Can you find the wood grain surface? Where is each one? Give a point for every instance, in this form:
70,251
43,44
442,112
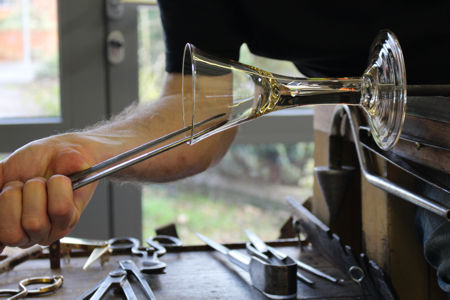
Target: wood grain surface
191,274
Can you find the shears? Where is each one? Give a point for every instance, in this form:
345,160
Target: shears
149,255
49,284
118,278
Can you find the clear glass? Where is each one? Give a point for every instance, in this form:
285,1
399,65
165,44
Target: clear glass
229,93
29,59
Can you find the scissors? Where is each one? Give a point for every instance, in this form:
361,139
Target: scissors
150,264
118,278
158,243
114,245
49,284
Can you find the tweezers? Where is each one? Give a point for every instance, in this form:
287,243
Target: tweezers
125,159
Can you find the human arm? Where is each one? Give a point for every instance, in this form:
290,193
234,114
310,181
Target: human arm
37,204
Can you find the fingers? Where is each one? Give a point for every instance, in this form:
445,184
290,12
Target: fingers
37,212
11,233
61,209
35,221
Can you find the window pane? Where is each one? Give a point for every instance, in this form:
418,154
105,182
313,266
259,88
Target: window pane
151,54
247,190
29,76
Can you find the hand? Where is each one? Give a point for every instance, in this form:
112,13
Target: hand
37,203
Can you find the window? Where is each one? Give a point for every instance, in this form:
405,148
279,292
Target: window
29,62
54,80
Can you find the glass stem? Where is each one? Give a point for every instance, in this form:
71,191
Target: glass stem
320,91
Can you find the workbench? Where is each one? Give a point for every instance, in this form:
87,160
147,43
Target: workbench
193,272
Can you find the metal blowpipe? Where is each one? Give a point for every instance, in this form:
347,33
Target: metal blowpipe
126,159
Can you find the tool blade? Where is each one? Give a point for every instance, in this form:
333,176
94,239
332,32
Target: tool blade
236,257
95,254
73,241
261,246
222,249
256,241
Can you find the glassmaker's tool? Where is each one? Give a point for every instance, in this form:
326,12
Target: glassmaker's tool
114,245
126,159
261,246
150,262
276,281
46,285
273,260
119,278
158,246
380,91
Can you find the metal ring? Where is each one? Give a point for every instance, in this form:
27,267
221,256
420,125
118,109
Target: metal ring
55,282
354,271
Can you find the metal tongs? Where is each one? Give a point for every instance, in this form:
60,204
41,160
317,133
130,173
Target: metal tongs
125,159
274,280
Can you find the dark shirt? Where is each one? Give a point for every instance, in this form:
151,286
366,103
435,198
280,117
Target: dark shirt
322,38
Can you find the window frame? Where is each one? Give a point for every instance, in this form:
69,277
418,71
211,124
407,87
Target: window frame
84,99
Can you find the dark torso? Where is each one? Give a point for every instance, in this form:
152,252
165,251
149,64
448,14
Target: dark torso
321,38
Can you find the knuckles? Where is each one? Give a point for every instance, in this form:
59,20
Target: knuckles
34,226
61,211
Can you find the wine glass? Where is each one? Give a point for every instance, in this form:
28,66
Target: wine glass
230,93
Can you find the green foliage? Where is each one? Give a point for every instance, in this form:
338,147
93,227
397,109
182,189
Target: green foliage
195,212
287,164
223,211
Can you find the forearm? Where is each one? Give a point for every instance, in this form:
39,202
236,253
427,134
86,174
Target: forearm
145,122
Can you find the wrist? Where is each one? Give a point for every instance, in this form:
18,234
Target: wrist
92,148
